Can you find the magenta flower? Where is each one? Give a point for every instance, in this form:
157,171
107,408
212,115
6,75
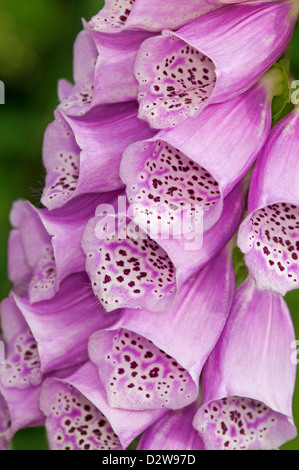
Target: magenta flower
4,425
269,236
117,16
21,375
124,319
58,324
179,73
248,380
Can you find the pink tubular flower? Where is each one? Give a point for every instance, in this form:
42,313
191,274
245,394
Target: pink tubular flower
76,99
124,320
59,323
180,73
145,367
21,375
45,246
269,236
174,431
115,65
130,270
193,165
136,271
101,62
78,416
248,381
79,158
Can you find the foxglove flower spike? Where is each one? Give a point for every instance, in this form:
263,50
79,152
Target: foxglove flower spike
198,163
269,236
180,73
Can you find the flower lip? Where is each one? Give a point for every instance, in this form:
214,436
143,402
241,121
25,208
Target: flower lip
61,156
22,368
128,268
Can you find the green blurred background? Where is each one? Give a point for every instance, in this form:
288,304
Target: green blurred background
36,40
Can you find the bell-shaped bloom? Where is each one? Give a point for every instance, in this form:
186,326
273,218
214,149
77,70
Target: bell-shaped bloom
4,425
62,325
20,375
78,156
210,60
223,2
101,62
248,381
120,15
149,360
42,340
194,250
114,78
269,236
174,431
78,416
128,268
61,158
45,246
199,162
